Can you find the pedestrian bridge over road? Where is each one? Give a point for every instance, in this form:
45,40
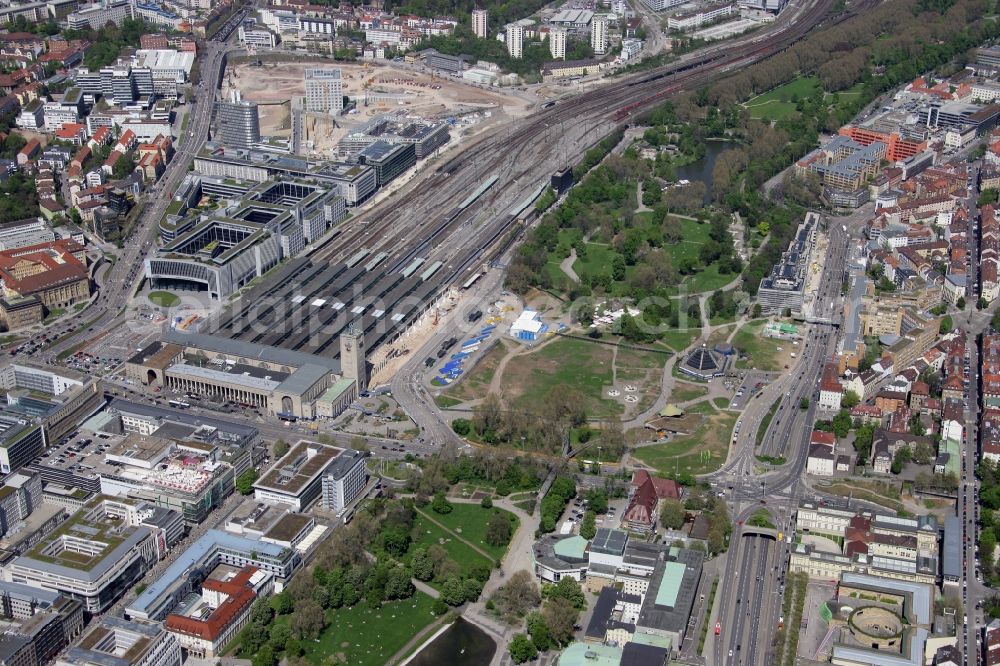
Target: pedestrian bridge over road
766,532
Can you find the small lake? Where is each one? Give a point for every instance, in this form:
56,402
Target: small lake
461,644
702,169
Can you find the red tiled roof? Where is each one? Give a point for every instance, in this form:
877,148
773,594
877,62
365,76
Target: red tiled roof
113,158
953,382
61,266
30,148
70,130
216,623
665,488
820,437
643,505
856,547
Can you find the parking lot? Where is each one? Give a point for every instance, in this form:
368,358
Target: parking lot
39,339
578,507
92,364
753,383
72,452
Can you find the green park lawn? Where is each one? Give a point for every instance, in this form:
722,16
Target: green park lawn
445,401
762,352
679,339
163,299
853,91
427,534
683,392
776,104
469,522
367,637
584,365
709,279
701,452
600,256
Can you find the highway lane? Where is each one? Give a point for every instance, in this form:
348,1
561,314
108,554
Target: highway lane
752,629
790,388
753,574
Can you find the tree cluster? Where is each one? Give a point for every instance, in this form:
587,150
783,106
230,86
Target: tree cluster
107,42
494,422
989,521
18,198
840,425
701,499
245,481
506,473
306,602
562,491
645,259
518,595
552,627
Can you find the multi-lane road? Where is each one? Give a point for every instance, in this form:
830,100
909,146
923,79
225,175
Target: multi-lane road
748,615
756,564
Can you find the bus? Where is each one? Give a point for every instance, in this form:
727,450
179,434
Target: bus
287,416
179,404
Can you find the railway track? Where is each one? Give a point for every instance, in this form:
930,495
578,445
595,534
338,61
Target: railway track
432,225
616,101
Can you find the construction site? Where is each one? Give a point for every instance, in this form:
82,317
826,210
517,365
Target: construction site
373,89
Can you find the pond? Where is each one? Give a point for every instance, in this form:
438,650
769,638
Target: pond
461,644
701,170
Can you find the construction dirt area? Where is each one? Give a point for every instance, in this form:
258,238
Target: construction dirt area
376,89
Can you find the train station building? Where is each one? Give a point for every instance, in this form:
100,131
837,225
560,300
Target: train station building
280,381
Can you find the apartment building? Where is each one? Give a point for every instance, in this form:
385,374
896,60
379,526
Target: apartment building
557,43
822,565
844,164
831,391
480,23
98,15
514,33
784,287
297,480
209,624
696,18
216,547
355,182
599,34
897,148
879,319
